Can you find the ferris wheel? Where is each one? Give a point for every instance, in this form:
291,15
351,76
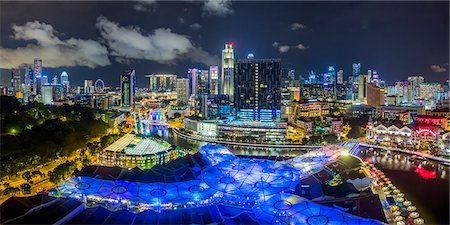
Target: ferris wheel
99,86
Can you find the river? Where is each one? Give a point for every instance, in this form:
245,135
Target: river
425,183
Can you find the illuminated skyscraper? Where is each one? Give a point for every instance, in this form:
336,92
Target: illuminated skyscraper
182,91
340,77
257,95
16,79
193,76
65,82
214,80
162,82
203,82
37,73
128,87
199,81
226,82
404,95
88,86
375,94
362,88
47,94
356,69
414,82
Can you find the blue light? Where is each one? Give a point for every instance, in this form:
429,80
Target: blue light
262,186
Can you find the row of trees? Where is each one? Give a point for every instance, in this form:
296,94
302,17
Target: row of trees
61,172
43,133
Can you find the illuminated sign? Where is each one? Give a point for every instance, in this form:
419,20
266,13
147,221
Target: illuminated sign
421,131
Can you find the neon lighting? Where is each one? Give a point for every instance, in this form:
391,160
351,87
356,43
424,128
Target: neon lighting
425,174
426,131
264,187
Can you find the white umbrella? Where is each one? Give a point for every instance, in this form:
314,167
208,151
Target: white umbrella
398,218
400,195
399,199
407,203
411,208
397,213
414,214
400,223
396,191
419,221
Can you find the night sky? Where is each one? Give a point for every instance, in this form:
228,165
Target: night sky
93,40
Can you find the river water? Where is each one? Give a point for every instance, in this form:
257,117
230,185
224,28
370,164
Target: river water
425,183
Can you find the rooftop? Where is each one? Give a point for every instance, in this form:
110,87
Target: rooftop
146,146
133,145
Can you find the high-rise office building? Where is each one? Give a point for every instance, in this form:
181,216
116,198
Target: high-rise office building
226,82
362,88
403,92
330,76
128,87
340,77
391,90
88,87
55,80
356,69
162,82
16,79
193,79
203,82
257,93
428,90
65,83
414,82
183,91
44,80
214,80
199,81
47,94
37,73
375,95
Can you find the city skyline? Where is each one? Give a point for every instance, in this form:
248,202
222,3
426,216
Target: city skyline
415,45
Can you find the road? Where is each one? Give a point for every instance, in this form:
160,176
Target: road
211,140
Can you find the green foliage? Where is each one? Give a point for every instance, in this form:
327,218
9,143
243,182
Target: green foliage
357,126
26,188
9,191
61,172
320,139
45,133
27,176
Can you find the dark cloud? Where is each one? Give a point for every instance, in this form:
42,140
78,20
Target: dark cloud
44,43
439,68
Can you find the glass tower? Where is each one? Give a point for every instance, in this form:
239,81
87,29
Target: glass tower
227,76
257,95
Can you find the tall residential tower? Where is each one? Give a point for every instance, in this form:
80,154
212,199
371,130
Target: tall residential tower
128,87
227,76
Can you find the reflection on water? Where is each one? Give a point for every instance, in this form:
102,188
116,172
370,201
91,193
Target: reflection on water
396,161
167,134
424,182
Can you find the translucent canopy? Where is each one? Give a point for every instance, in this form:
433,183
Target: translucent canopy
80,186
292,209
262,186
158,193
